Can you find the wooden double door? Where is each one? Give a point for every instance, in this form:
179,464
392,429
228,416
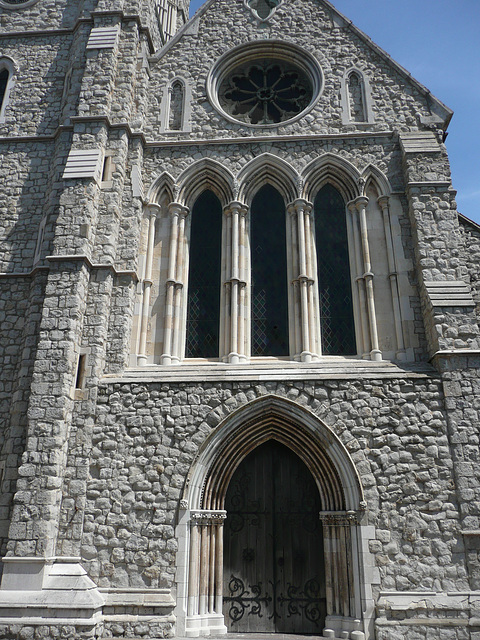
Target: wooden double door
273,546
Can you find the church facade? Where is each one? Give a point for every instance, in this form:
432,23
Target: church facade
239,318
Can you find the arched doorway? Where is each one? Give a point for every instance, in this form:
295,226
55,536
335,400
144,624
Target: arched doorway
273,569
298,444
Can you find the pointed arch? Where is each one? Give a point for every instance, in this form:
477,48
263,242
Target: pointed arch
338,171
270,169
372,174
275,418
205,174
163,185
356,98
176,106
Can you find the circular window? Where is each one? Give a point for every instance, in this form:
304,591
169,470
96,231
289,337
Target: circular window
265,83
14,4
265,92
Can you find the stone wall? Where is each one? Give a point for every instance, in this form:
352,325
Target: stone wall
396,102
21,302
146,436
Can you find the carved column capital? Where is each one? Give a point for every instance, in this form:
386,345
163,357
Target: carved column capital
300,205
361,203
338,518
177,209
352,207
383,202
207,517
153,210
235,207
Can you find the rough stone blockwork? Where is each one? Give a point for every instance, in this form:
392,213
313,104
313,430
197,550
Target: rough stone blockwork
143,369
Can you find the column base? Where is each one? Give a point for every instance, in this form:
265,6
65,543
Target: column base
236,358
343,628
208,624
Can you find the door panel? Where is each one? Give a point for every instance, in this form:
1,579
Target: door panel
273,559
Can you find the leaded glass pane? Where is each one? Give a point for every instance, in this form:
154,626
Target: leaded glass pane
266,91
334,281
269,274
203,309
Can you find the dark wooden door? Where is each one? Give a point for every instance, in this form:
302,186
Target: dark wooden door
273,554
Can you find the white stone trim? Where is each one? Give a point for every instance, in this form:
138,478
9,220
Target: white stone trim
278,49
83,163
186,125
367,98
419,142
13,7
103,38
246,4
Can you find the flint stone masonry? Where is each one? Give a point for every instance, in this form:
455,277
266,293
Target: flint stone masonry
101,456
146,437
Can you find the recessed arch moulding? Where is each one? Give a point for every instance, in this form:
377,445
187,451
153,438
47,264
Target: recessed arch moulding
202,514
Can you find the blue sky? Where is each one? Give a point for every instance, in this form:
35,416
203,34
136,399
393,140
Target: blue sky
438,41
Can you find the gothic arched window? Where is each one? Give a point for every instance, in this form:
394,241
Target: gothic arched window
204,272
3,85
269,274
356,97
333,269
175,116
6,83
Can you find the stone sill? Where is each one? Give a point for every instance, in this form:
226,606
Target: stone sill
327,368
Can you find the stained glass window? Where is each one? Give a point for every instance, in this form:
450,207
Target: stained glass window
269,274
334,282
203,308
266,92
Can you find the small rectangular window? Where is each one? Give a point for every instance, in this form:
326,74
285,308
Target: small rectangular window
107,170
80,381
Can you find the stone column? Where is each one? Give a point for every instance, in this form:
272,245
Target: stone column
175,279
307,343
340,574
361,314
205,588
392,268
364,272
234,308
153,211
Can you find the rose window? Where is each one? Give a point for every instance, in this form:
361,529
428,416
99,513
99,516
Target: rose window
11,4
265,92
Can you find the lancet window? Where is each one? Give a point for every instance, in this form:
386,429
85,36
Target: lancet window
356,97
3,85
203,299
176,106
268,274
333,270
6,84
